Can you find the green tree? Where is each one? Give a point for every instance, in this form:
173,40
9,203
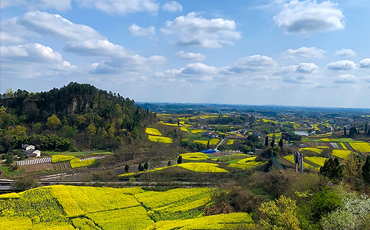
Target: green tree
169,163
352,167
366,172
111,131
208,144
53,122
179,160
345,131
266,141
146,166
332,169
365,132
281,143
9,159
91,129
127,168
279,215
140,167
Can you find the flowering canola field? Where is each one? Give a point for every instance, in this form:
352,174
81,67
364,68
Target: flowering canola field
160,139
61,158
61,207
246,163
316,160
290,158
361,147
341,153
194,156
153,131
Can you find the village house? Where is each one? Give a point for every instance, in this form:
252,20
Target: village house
30,151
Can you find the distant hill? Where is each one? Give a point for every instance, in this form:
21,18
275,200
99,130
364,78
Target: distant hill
88,117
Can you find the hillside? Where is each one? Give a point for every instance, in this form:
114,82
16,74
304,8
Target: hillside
76,116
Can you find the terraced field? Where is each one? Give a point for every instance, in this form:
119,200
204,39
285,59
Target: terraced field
70,207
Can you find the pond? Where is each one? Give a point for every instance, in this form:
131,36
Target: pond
301,133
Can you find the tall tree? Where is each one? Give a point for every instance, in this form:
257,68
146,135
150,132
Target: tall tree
267,141
345,131
365,129
272,142
366,171
53,122
281,143
179,160
332,169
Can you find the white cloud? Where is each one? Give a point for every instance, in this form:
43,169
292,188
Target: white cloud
42,23
193,30
345,53
309,16
307,68
172,6
32,52
191,56
38,4
304,52
33,60
118,58
7,39
120,6
95,47
136,30
365,63
341,65
253,63
346,79
191,72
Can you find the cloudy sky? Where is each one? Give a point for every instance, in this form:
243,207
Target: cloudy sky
283,52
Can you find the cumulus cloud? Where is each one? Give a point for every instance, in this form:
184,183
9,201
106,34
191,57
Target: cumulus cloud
120,7
191,72
7,39
365,63
309,16
307,68
33,60
191,56
172,6
32,52
304,52
346,79
193,30
296,80
345,53
341,65
119,59
253,63
136,30
53,25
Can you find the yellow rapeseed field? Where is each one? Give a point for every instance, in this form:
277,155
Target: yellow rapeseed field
246,163
343,146
202,167
316,160
361,147
222,221
153,131
341,153
76,163
166,140
214,141
230,142
57,207
194,131
315,150
204,142
61,158
194,156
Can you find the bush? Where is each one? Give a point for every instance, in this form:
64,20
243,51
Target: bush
324,202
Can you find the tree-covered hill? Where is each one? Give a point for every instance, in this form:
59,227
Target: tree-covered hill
74,116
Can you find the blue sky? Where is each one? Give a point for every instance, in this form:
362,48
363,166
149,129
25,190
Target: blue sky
304,53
